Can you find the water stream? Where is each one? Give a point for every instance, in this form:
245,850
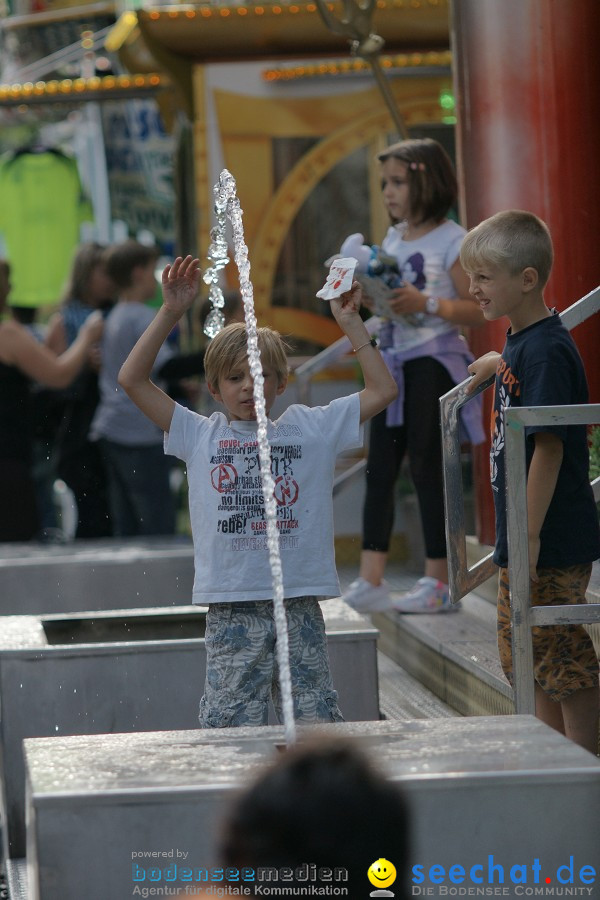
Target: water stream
227,206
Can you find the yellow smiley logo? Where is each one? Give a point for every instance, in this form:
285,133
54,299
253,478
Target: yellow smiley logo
382,873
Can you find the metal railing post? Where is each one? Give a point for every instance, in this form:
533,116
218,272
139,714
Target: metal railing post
524,616
518,563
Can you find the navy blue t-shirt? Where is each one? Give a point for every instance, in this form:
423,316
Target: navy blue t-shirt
541,366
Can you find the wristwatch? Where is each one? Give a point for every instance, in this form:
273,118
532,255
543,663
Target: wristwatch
432,305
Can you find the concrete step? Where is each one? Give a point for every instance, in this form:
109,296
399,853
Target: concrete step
402,697
451,655
454,655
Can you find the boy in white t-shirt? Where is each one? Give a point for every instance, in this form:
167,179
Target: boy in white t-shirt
227,507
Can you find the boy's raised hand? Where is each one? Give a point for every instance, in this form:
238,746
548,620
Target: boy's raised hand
347,305
180,283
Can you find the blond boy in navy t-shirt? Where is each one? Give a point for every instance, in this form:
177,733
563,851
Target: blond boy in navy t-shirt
508,259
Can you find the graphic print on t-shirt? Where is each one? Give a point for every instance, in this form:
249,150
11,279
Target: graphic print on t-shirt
235,475
507,385
413,271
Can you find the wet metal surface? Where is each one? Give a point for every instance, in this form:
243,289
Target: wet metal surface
93,575
496,745
106,684
475,786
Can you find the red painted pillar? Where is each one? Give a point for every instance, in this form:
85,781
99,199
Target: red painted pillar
527,81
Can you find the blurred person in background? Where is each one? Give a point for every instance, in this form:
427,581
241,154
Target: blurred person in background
139,490
76,459
23,360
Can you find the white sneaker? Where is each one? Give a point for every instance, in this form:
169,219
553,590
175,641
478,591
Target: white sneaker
365,597
428,596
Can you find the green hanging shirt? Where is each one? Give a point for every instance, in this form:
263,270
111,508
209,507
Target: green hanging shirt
41,209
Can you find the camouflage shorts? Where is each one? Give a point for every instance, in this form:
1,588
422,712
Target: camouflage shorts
241,664
564,657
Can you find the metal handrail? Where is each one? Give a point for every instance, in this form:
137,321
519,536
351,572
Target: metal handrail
72,53
524,616
461,577
348,476
331,354
336,352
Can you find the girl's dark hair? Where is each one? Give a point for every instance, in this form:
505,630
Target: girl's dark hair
322,803
87,257
123,258
431,177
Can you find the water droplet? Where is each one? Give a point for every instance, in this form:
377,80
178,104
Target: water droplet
214,323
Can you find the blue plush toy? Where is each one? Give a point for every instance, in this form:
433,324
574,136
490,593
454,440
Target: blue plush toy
372,261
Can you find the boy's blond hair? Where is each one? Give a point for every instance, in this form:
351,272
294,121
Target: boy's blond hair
229,348
513,240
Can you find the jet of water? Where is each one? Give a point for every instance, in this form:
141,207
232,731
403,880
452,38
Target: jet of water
228,206
218,254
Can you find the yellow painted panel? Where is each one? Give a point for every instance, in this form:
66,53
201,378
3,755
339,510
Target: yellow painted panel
302,324
283,116
203,190
250,162
247,126
298,184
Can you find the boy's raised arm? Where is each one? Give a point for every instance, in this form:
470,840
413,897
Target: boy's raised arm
380,388
180,286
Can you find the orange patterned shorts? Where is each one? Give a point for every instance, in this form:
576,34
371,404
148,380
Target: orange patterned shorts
564,657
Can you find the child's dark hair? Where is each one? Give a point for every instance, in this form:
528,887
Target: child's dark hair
123,258
87,257
323,803
431,177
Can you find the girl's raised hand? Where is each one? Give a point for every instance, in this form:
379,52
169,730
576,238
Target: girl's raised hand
180,283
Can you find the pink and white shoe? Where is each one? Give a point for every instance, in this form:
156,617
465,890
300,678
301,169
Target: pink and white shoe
427,596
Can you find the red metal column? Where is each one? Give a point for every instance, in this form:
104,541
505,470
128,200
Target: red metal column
527,80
